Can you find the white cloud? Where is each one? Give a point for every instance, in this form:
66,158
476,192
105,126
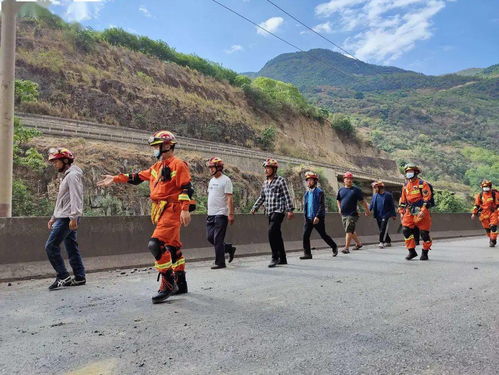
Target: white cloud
234,48
383,30
80,10
327,9
323,28
272,25
145,11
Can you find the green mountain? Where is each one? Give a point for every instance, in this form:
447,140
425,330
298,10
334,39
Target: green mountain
491,71
449,124
322,67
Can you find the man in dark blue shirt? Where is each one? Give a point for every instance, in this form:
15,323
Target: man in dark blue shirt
383,208
314,209
348,198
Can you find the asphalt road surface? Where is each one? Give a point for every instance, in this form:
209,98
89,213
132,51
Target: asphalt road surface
369,312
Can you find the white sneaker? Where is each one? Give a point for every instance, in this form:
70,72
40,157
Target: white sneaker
381,245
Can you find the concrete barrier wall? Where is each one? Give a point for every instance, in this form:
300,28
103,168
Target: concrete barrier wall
23,239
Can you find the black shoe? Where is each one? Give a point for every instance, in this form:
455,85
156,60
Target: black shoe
77,281
167,287
306,256
229,249
217,267
60,283
424,255
181,282
358,247
335,250
492,243
345,251
282,262
273,263
412,254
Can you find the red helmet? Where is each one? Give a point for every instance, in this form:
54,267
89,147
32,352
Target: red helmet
57,153
486,183
348,175
311,174
215,162
378,183
163,137
271,163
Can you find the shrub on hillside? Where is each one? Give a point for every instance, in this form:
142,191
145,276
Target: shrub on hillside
342,123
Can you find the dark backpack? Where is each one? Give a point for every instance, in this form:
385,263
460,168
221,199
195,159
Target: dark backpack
431,202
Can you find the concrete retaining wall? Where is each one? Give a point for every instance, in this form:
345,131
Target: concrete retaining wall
22,239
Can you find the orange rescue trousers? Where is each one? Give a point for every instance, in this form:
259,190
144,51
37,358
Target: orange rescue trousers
489,223
168,232
409,222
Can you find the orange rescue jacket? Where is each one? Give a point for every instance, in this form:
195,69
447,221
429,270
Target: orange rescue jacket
486,201
171,187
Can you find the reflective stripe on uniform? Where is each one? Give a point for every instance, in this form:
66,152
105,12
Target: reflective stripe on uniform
163,266
179,263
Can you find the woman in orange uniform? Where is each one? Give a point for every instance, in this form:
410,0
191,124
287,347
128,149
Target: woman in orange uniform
486,206
170,190
414,208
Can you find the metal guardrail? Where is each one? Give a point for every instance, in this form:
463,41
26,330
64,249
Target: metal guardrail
76,128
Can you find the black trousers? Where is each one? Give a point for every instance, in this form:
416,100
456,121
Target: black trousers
216,226
275,236
383,229
319,227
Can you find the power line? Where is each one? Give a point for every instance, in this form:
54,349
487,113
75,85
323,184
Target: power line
314,31
257,25
271,33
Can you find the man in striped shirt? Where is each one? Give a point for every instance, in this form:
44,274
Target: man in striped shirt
277,202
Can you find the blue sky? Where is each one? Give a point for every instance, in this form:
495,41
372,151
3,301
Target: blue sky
428,36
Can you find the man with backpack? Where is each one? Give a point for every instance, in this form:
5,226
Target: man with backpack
314,209
170,192
486,207
414,209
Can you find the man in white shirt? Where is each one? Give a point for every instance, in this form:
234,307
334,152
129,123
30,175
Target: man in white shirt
220,212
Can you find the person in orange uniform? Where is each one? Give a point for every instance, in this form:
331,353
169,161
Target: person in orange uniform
486,207
414,208
170,191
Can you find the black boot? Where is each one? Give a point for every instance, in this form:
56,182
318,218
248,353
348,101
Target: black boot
166,288
229,249
181,282
424,255
412,254
335,249
306,256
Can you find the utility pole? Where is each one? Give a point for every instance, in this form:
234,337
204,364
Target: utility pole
7,87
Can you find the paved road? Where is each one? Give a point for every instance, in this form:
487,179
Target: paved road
370,312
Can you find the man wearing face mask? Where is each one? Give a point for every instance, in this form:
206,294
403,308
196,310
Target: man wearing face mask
64,222
414,209
170,191
277,202
486,206
220,212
